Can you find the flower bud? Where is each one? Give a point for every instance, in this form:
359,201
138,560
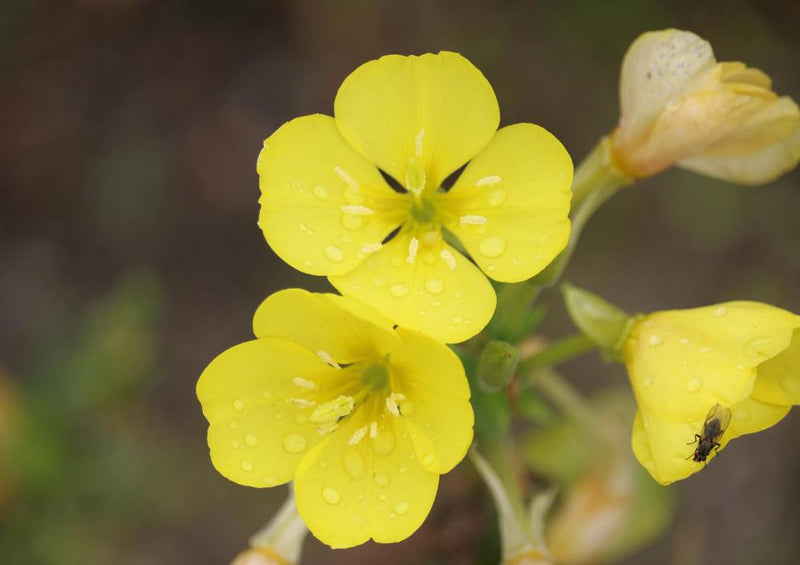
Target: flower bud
497,365
599,320
679,106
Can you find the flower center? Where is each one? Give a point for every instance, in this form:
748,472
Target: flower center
376,377
423,211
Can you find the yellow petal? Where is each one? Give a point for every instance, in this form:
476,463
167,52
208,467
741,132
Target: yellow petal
659,67
778,380
510,206
665,448
751,416
256,433
347,494
326,325
323,206
423,284
417,116
681,362
436,408
753,168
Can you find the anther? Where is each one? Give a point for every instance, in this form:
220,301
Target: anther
304,383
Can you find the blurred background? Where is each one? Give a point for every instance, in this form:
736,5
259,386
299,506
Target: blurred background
130,255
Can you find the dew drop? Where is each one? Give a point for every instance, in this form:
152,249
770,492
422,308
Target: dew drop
235,444
294,443
354,463
720,312
791,384
399,290
648,381
497,197
757,346
685,341
320,192
331,495
233,425
247,466
384,443
654,341
456,320
429,459
401,508
352,221
544,238
705,349
378,281
434,286
492,247
741,413
300,418
694,384
382,496
250,440
238,404
334,253
381,480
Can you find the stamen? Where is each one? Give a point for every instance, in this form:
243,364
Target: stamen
413,247
357,210
391,402
472,220
488,180
327,428
326,357
304,383
371,248
302,402
448,258
346,177
332,411
373,429
357,436
418,142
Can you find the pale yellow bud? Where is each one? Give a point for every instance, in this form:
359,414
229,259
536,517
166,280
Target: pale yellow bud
259,556
678,106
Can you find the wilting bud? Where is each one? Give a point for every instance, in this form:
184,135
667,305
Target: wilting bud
679,106
259,556
497,365
599,320
594,512
280,542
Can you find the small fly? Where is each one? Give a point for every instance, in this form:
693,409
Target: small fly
716,423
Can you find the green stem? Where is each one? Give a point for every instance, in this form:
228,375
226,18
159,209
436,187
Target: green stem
597,178
557,353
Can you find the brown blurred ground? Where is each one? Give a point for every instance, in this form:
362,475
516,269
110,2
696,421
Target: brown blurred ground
130,130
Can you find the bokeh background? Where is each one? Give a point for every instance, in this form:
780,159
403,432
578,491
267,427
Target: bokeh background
130,255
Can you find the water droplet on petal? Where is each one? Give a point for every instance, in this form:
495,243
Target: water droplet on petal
694,384
758,346
720,312
334,253
434,286
294,443
331,495
383,444
497,197
381,480
235,444
354,463
247,466
238,405
352,221
685,341
648,381
320,192
399,290
654,341
378,281
250,440
401,508
492,246
544,238
428,459
382,496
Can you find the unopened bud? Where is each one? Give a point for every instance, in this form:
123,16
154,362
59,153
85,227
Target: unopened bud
497,365
600,321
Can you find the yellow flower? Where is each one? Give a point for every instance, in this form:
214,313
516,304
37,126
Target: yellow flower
679,106
744,356
364,416
327,210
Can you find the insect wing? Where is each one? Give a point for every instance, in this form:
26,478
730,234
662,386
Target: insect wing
717,420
